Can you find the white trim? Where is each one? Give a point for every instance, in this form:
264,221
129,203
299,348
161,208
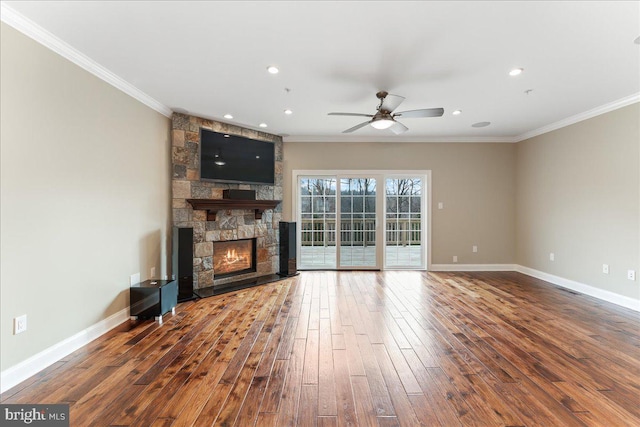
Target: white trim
31,29
379,174
394,138
425,235
473,267
606,108
16,374
621,300
597,111
608,296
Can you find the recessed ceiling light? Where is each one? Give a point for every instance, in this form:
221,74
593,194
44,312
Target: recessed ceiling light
288,112
272,69
516,72
481,124
257,157
457,112
263,125
637,40
228,116
226,135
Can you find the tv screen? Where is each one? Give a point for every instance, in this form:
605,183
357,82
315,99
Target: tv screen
233,158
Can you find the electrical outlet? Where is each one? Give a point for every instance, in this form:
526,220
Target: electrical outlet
135,278
474,248
552,256
605,268
455,258
153,273
631,274
440,205
19,324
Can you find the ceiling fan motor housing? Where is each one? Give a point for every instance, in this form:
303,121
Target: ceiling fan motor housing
382,115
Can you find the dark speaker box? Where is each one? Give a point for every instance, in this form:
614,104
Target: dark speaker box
182,262
288,262
239,194
153,298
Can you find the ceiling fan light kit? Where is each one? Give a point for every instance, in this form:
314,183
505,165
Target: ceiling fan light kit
384,117
382,123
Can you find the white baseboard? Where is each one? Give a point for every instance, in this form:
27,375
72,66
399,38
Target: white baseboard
621,300
472,267
16,374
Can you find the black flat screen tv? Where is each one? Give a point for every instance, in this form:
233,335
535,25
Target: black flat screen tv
236,159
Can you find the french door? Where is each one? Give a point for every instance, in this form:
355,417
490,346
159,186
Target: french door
360,221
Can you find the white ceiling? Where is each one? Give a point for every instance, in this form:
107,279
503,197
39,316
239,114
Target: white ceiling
210,58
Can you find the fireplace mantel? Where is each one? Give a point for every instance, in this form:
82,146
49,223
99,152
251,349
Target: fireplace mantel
212,206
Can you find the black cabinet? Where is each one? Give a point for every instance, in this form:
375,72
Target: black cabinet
153,298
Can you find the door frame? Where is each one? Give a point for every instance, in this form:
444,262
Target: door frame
381,174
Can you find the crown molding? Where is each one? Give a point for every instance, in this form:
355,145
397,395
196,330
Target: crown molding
45,38
42,36
606,108
394,139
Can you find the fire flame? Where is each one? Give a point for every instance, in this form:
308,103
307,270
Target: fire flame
231,255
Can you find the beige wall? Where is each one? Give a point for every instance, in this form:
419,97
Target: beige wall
476,183
85,196
578,193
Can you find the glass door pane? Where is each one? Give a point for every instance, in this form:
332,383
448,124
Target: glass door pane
358,222
317,222
403,232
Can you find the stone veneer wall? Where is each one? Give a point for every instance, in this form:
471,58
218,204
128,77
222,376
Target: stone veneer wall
230,224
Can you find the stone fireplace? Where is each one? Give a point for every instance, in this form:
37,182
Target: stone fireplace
234,257
228,224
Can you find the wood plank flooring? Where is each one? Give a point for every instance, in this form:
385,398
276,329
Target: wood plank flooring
362,349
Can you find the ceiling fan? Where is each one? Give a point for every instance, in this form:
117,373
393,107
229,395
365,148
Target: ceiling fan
384,117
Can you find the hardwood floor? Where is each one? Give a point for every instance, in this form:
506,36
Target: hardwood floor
362,348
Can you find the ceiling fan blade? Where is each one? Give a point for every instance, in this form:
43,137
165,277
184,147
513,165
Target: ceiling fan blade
350,114
398,128
426,112
356,127
391,102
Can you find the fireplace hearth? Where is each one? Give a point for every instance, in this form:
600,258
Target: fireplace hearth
234,257
216,213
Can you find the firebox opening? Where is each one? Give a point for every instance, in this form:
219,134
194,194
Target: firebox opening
234,257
